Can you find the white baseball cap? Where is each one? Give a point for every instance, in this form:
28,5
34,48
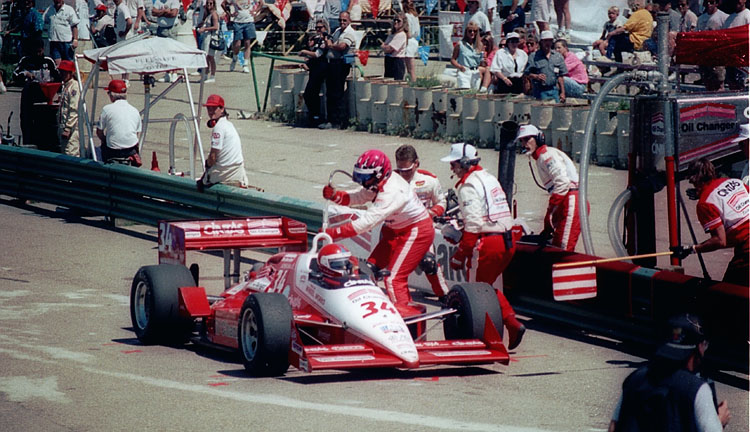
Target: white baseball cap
461,150
547,34
527,131
744,133
512,35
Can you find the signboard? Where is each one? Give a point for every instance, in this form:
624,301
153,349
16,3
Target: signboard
451,25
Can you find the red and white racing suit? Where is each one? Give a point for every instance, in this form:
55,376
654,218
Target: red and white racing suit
487,221
726,202
406,235
430,193
560,178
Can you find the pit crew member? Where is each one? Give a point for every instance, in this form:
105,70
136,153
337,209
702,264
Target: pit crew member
407,231
723,210
559,178
119,126
427,187
487,244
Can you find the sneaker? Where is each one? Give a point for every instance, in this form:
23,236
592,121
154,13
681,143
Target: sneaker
560,34
2,87
233,64
324,126
210,80
246,69
196,73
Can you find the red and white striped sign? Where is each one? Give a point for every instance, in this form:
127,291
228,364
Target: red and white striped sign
573,283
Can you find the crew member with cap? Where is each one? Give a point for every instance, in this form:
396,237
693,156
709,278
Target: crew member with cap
430,193
225,163
119,126
407,231
487,245
559,178
724,211
668,394
67,121
546,69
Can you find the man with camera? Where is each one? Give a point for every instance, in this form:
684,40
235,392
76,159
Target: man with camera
339,45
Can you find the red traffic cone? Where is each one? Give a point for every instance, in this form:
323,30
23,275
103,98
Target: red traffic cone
154,163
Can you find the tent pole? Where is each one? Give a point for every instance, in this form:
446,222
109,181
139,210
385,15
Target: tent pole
195,125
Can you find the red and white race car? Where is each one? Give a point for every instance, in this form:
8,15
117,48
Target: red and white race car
285,312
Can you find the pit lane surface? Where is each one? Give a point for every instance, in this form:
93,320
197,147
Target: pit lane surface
71,362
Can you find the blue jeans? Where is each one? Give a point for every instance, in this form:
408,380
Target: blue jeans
546,94
573,88
244,31
61,50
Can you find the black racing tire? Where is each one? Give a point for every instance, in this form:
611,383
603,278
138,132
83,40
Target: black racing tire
154,304
264,334
472,302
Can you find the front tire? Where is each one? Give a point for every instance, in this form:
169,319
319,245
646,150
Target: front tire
154,304
265,333
472,301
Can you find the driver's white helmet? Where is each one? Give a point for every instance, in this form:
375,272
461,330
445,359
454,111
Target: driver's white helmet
335,260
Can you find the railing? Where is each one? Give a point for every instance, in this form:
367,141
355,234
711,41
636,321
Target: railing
120,191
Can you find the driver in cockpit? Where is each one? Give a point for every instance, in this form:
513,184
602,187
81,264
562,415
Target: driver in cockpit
336,264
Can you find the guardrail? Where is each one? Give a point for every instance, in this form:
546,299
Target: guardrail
120,191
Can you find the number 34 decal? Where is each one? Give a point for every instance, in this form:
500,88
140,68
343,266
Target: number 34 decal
372,308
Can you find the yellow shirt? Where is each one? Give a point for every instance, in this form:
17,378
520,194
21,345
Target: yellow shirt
639,25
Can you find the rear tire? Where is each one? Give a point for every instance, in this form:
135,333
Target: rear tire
154,304
265,333
472,302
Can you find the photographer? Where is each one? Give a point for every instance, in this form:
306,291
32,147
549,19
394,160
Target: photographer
316,65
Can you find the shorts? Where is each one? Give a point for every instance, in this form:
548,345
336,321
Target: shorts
470,79
61,50
244,31
166,32
541,10
412,47
206,44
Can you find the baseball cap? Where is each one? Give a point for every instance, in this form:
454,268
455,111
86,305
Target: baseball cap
67,65
117,86
460,150
685,334
744,133
214,101
547,34
101,7
527,131
512,35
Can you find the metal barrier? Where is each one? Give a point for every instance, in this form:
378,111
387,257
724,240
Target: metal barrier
139,195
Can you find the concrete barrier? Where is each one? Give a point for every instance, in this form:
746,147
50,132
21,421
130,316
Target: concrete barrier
559,127
486,120
453,120
623,138
469,123
576,133
606,138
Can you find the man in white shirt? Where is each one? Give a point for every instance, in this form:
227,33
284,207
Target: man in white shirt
119,124
225,163
713,18
62,22
736,77
165,12
243,14
479,17
339,56
123,20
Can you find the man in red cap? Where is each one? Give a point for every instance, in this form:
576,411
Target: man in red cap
104,29
225,163
67,120
119,126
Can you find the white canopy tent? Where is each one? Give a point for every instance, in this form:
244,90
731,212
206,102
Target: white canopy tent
144,55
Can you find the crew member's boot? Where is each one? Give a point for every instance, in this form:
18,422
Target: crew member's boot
515,328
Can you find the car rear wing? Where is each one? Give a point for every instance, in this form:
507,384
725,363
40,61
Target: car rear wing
178,237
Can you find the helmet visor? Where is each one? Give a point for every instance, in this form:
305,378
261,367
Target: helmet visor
341,265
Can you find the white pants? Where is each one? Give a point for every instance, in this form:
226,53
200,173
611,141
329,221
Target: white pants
541,10
469,79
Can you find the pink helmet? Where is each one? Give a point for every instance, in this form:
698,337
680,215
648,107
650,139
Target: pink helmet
335,260
372,164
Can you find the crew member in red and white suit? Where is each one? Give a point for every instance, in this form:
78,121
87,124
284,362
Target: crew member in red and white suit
430,193
724,211
407,232
486,246
559,178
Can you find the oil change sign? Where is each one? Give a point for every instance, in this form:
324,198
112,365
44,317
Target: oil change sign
708,119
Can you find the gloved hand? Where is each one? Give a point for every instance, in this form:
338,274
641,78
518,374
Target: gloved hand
544,237
681,252
338,197
458,261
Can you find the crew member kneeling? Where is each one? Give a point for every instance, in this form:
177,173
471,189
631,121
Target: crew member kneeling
225,163
119,126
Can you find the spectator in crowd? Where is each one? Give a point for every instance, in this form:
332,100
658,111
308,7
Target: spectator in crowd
737,77
615,20
430,193
316,65
490,49
529,45
123,20
477,16
199,16
508,66
104,27
32,71
67,119
30,24
724,213
577,79
412,45
209,30
394,48
688,18
513,14
315,10
467,58
667,394
559,176
712,18
166,12
541,13
62,28
355,10
562,9
331,11
545,70
634,32
340,55
652,44
225,163
119,126
137,14
243,19
487,245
